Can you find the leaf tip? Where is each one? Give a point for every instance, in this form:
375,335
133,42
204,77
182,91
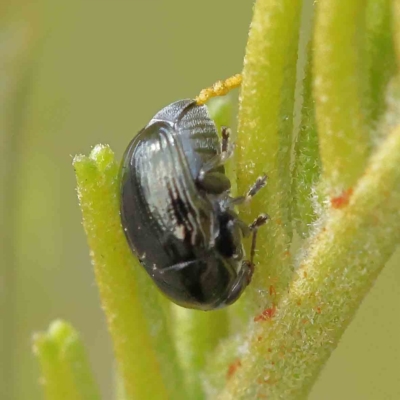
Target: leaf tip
103,156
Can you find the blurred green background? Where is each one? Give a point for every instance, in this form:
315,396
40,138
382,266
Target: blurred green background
80,72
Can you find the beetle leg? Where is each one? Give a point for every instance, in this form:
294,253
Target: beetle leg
222,157
225,143
259,221
249,265
257,186
213,181
214,162
245,229
243,279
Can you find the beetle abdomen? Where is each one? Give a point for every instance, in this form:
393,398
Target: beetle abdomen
200,285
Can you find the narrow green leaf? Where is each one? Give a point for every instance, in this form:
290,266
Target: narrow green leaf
396,28
57,383
17,45
306,171
137,315
265,133
380,56
340,76
221,111
289,347
72,353
65,369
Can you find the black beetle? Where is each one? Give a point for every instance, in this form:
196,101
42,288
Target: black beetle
176,210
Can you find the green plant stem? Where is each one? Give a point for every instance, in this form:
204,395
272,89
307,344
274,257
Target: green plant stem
197,335
265,122
119,387
222,364
137,316
65,369
340,73
288,351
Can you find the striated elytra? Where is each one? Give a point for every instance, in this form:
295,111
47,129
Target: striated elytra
177,212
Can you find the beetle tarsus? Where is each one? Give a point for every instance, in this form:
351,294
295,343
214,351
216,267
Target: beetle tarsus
258,185
259,221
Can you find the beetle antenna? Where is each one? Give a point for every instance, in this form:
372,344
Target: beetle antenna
220,88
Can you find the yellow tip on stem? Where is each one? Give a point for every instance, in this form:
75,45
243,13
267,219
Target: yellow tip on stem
220,88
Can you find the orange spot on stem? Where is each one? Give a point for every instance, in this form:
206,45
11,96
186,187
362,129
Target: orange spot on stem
342,200
233,368
286,254
268,313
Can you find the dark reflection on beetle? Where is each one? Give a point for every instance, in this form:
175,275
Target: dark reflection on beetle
177,213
